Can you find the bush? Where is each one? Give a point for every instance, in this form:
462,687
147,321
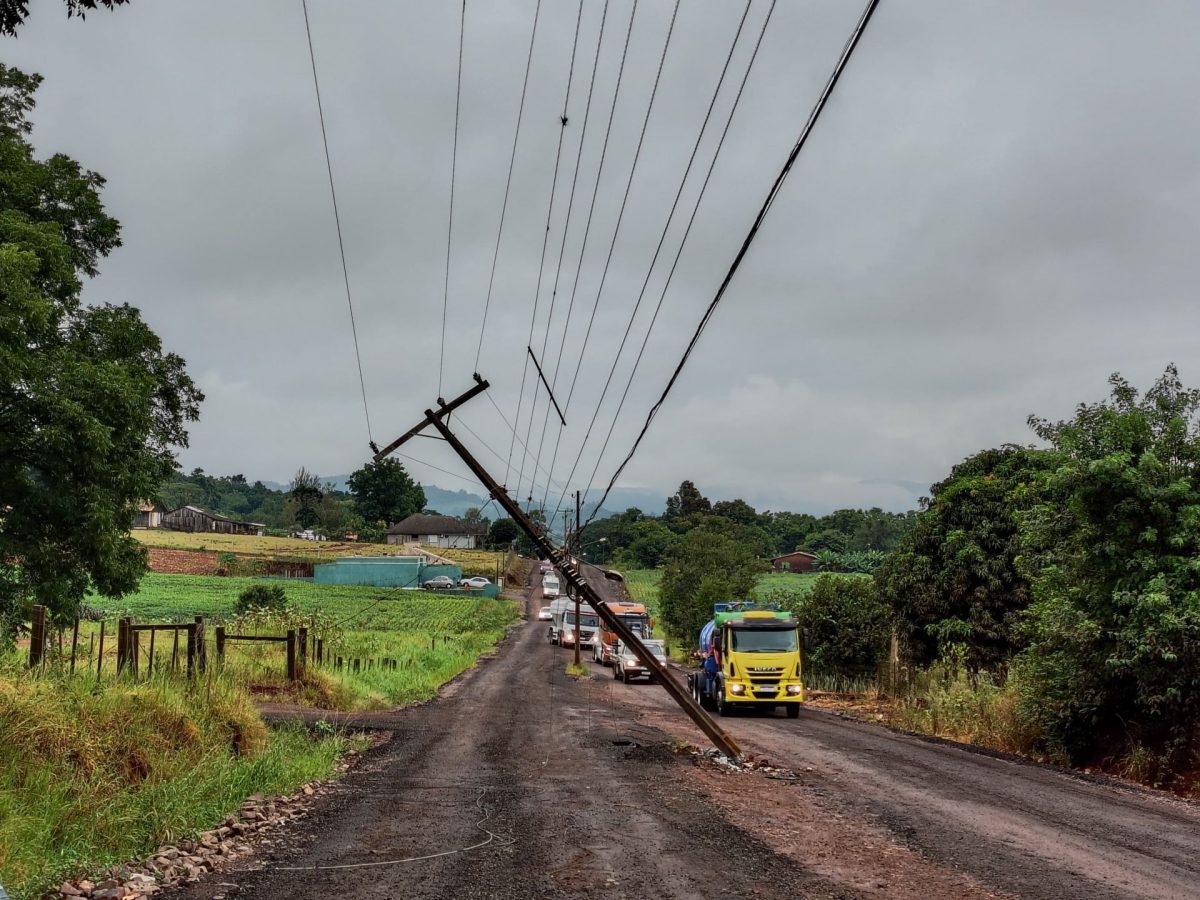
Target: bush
846,623
261,596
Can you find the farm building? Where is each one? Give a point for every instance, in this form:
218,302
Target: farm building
193,518
435,531
796,561
149,515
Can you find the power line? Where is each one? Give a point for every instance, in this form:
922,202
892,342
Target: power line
621,213
508,182
546,237
772,194
675,263
337,219
462,27
553,186
554,295
658,249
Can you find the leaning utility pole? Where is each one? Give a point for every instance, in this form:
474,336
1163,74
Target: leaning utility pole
574,542
563,562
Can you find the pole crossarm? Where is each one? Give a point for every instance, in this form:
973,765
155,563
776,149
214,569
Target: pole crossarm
446,408
546,384
564,563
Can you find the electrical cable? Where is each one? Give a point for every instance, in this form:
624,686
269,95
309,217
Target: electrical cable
508,182
462,27
675,263
670,217
554,295
620,215
772,194
550,211
312,57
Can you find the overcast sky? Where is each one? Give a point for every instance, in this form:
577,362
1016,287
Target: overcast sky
997,210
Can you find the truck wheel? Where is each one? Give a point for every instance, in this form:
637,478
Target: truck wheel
723,706
793,710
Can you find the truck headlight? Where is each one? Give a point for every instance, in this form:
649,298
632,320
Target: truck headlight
793,689
737,689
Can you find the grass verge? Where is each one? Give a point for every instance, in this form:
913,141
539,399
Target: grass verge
93,776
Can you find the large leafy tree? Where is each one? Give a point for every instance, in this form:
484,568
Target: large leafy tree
1112,546
954,577
383,491
91,407
704,568
13,13
304,498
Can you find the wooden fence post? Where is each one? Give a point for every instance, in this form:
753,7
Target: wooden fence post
37,637
74,643
150,664
122,643
175,651
220,631
192,651
135,645
320,651
201,649
302,637
291,654
100,653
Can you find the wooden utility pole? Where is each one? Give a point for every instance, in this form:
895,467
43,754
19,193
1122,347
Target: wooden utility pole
574,542
562,561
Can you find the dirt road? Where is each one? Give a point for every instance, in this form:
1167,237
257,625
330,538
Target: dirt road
523,782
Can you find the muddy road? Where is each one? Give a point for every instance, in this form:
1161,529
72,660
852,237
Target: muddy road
523,782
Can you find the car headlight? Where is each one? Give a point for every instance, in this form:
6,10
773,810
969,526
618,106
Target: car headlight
630,661
793,689
737,689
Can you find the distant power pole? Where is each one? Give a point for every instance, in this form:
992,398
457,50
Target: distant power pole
575,541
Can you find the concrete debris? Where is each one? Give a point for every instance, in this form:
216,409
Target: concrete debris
746,765
188,861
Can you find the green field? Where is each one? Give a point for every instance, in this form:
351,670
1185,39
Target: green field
433,638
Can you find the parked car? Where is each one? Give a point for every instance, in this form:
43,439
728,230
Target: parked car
546,614
439,583
627,666
477,583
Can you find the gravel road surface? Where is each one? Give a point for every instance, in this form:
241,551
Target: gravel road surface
520,781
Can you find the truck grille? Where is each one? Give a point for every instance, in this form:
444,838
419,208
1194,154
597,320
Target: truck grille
765,675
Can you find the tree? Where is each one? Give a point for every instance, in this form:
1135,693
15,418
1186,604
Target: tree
846,623
688,501
13,13
738,511
705,567
955,574
91,407
652,541
474,516
383,491
305,494
1110,547
502,533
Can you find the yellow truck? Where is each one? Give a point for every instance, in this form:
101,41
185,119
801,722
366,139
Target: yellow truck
750,658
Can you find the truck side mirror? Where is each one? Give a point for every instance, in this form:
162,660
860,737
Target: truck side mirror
807,638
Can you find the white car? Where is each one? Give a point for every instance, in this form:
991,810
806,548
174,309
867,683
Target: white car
546,614
474,584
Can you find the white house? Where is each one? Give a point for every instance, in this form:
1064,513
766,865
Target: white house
435,531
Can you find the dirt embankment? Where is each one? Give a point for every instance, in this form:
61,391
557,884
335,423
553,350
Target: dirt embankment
167,561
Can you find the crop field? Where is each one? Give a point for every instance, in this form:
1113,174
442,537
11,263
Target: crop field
256,546
432,637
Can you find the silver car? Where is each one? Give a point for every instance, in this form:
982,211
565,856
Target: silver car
627,665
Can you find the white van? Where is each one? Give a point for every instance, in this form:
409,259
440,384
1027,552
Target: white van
551,587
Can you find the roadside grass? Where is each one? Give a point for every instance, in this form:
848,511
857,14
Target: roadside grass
578,671
91,776
432,637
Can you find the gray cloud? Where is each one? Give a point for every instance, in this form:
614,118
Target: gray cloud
993,215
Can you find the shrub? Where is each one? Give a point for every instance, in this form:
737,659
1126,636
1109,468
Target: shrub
261,596
847,625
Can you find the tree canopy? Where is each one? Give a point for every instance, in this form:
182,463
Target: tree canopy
13,13
383,491
704,568
91,406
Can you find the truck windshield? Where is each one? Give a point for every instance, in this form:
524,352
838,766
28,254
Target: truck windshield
638,623
764,640
588,621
